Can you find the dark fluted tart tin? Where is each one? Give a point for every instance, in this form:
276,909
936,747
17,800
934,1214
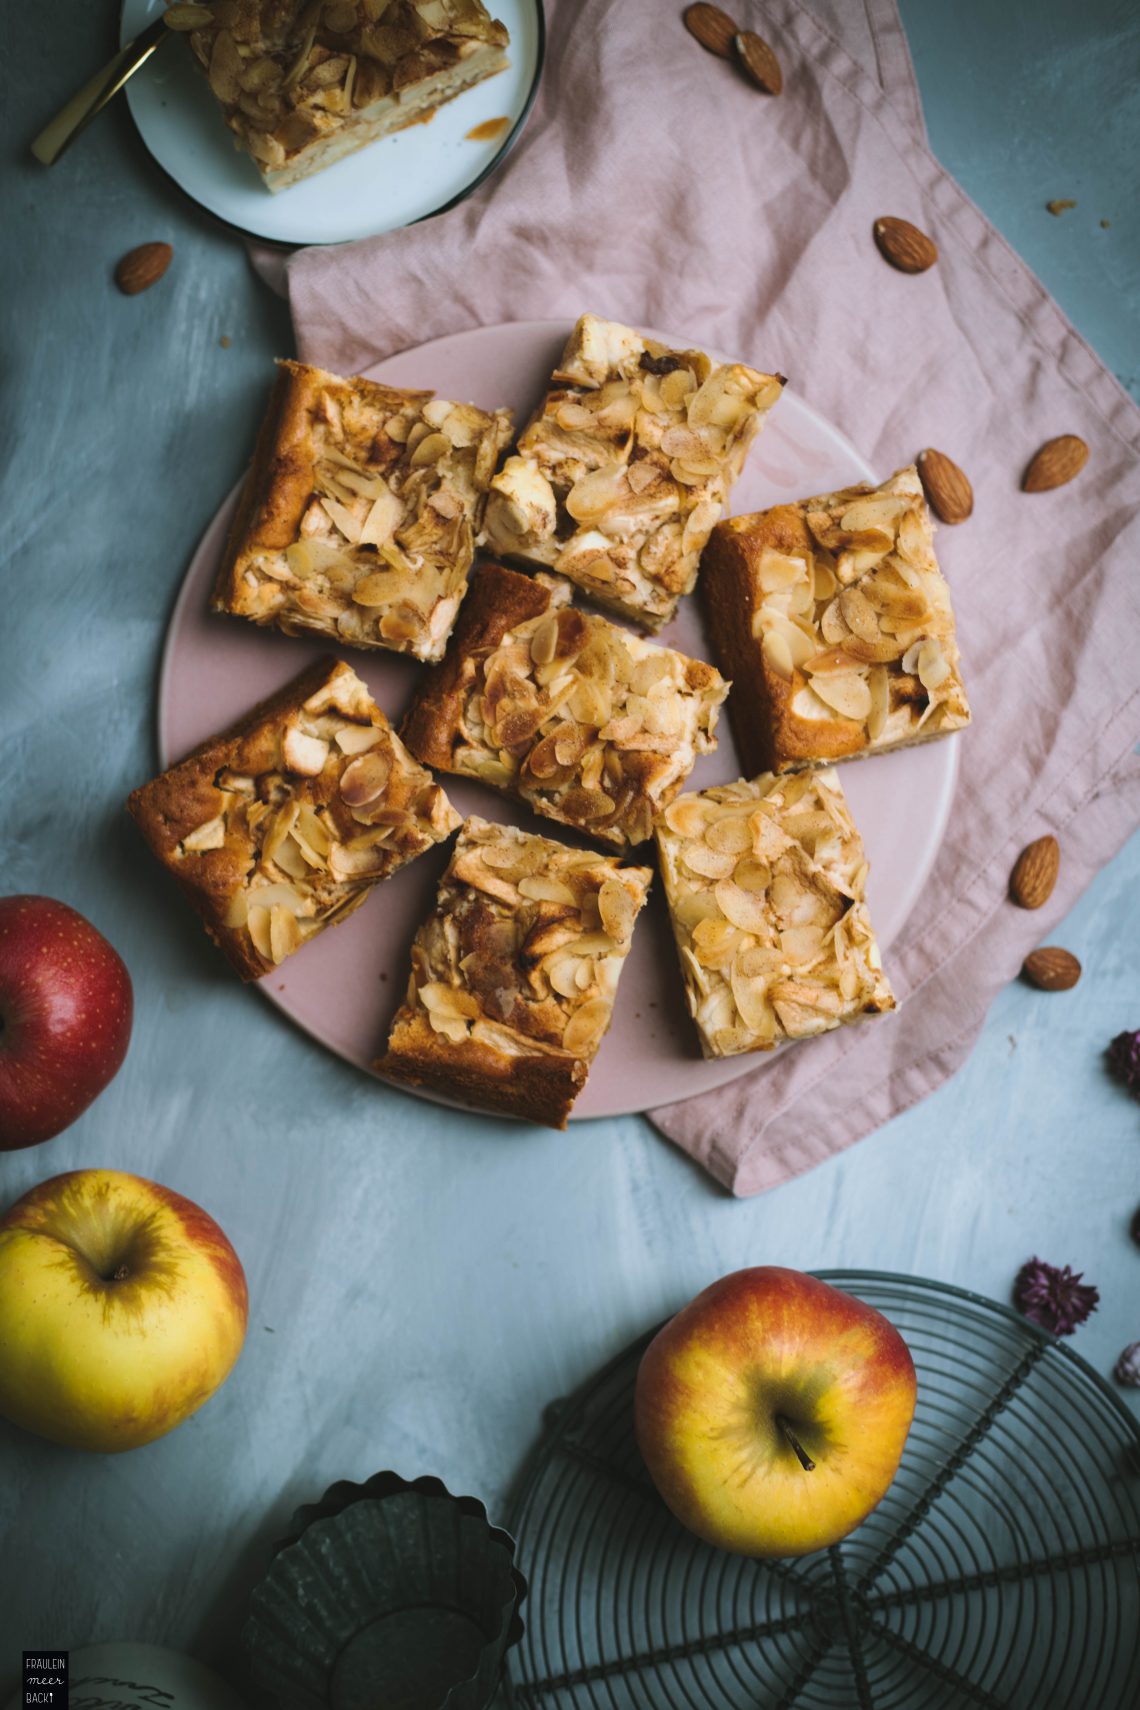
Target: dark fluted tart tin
386,1595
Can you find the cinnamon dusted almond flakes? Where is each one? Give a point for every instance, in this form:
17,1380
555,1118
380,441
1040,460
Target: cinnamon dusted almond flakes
302,85
359,514
515,973
626,466
834,623
590,725
282,826
765,883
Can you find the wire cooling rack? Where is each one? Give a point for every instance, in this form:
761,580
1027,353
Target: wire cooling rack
1000,1570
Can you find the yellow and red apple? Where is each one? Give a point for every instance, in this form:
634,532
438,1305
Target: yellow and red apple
123,1307
772,1412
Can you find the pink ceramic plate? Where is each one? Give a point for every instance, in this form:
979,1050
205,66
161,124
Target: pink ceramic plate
343,988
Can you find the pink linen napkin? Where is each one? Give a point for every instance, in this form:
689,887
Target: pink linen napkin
655,186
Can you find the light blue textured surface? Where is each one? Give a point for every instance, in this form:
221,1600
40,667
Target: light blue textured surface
423,1283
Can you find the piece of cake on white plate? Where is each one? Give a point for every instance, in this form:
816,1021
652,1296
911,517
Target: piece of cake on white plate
302,83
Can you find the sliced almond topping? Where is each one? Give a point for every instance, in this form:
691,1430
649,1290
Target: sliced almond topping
707,863
618,910
538,888
365,779
847,692
305,755
284,933
752,875
211,835
932,664
878,685
731,835
257,923
586,1026
356,738
686,816
544,641
747,910
859,614
778,654
751,999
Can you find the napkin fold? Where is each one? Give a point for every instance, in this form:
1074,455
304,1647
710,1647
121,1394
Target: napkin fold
654,185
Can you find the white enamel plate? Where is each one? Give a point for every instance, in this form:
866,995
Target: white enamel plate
389,183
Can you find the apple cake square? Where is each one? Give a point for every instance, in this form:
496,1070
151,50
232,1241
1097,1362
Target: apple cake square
301,84
834,622
282,825
765,882
514,974
587,723
358,515
626,466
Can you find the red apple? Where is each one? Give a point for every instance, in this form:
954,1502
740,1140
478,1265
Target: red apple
772,1412
122,1309
65,1017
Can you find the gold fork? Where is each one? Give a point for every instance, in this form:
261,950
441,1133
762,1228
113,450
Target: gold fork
96,92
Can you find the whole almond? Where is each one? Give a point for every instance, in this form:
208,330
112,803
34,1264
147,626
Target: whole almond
757,60
713,28
1052,969
949,493
904,246
1057,462
142,267
1035,873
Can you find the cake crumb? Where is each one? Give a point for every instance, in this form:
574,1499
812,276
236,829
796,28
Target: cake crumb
224,341
1060,205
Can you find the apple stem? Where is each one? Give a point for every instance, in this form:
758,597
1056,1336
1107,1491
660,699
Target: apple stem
802,1455
121,1274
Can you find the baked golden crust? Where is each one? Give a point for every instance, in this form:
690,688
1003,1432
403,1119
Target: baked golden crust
358,515
765,883
538,1085
302,83
835,624
589,725
626,466
282,825
514,974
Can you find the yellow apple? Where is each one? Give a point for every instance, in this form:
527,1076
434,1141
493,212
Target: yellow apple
772,1411
123,1307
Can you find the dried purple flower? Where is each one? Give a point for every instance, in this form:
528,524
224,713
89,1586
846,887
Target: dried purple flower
1127,1368
1055,1298
1123,1058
